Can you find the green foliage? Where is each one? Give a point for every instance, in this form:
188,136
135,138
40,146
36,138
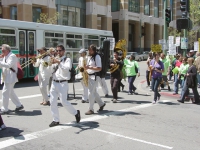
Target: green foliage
44,18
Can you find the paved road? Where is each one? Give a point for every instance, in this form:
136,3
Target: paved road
132,123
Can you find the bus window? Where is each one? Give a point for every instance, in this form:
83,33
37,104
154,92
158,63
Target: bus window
7,36
22,42
74,41
53,39
91,39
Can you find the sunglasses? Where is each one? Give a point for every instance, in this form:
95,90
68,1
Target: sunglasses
59,50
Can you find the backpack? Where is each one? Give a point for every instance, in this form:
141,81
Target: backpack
104,53
72,73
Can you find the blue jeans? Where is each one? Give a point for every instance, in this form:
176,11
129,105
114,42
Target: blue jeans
198,78
176,83
154,86
132,88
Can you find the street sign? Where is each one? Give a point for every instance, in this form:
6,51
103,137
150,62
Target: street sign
163,43
184,43
196,46
112,43
172,49
156,48
178,41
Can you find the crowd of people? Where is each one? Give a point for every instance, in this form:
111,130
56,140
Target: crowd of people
55,70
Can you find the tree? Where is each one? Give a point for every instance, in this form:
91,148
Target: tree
195,18
44,18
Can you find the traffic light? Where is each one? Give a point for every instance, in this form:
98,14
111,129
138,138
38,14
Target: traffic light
168,16
185,7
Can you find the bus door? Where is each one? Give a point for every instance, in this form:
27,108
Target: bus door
27,50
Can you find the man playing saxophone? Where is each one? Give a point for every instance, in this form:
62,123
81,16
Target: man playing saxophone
81,65
44,73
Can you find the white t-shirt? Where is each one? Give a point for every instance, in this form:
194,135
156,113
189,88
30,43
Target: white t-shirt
96,63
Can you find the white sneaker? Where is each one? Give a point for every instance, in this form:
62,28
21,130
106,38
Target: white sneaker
153,102
2,127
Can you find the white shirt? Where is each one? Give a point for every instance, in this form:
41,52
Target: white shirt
7,75
63,72
44,72
96,63
81,60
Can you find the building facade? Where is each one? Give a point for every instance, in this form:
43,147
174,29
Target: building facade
140,22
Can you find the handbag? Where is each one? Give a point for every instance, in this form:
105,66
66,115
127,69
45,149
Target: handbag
20,73
136,68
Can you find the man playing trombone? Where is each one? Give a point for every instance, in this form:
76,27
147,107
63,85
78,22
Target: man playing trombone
44,73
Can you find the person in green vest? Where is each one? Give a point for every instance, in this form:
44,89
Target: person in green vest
167,64
183,70
132,69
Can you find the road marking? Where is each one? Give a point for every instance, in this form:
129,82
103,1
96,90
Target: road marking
133,139
38,134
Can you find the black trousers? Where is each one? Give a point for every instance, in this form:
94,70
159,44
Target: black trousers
120,84
114,81
1,121
147,77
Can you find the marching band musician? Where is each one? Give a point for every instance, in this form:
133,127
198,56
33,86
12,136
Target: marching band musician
61,75
93,68
81,61
8,64
44,74
115,76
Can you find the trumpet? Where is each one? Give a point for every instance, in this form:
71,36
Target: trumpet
35,58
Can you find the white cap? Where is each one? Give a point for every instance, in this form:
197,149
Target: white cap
82,51
191,50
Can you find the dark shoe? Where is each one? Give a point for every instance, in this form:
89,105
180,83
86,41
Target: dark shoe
106,95
135,93
4,112
54,124
169,88
19,108
2,127
46,103
101,108
180,101
158,98
89,112
78,116
114,101
130,93
84,101
123,87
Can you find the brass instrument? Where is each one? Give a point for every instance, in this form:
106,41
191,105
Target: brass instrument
84,73
35,58
119,47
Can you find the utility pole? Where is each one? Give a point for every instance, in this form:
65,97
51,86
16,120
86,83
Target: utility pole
165,34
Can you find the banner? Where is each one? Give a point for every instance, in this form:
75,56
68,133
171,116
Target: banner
156,48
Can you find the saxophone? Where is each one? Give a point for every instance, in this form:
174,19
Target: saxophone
84,73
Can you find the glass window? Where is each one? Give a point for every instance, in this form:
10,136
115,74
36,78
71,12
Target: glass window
49,34
7,31
7,36
13,12
78,19
53,42
70,36
73,43
91,37
78,36
36,13
134,6
71,16
147,7
64,14
89,42
115,5
156,8
58,35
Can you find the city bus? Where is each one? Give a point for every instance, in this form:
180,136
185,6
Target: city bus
26,37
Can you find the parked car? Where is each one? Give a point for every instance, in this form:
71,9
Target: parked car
138,57
145,55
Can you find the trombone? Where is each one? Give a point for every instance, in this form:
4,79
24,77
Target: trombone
34,58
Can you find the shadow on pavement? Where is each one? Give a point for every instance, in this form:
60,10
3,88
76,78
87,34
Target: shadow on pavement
12,132
134,101
87,126
169,103
117,113
26,113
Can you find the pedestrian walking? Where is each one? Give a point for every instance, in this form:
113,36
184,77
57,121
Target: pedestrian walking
157,68
148,69
8,64
61,75
178,63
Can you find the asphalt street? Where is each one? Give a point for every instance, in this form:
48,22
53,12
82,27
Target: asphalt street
132,123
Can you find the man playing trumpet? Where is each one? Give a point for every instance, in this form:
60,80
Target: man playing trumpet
44,73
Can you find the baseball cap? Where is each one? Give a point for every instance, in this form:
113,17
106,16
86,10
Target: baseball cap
82,51
191,50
